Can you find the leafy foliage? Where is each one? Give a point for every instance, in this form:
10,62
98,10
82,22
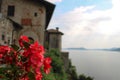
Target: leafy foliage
72,72
83,77
57,65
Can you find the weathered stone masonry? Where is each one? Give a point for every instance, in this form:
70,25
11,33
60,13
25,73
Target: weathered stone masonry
33,15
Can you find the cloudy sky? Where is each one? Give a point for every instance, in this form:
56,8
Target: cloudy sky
88,23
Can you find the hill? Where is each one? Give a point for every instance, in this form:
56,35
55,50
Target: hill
81,48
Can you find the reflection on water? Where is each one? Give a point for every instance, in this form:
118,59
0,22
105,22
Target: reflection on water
102,65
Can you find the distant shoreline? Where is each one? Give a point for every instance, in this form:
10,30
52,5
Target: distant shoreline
110,49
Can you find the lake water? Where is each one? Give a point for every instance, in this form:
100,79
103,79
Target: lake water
102,65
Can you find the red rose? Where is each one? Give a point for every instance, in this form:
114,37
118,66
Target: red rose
37,60
36,48
30,59
25,78
22,40
4,49
38,76
26,53
1,55
47,65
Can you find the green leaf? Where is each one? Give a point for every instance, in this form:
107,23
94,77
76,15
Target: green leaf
26,45
31,76
15,47
23,59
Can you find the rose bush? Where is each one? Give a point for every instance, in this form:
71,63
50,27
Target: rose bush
26,62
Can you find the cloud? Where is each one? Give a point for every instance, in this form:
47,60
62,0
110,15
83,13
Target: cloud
88,27
54,1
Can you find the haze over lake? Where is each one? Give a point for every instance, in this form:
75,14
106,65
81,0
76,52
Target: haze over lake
102,65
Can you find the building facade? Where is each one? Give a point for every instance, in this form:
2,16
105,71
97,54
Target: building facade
33,15
6,28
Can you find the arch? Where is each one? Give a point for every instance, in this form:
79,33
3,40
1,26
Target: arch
30,33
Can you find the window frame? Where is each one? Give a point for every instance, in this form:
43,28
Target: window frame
11,10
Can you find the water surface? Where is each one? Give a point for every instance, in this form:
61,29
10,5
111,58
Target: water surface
102,65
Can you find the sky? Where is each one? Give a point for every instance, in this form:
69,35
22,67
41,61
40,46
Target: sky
87,23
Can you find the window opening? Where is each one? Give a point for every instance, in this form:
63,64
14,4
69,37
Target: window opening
11,10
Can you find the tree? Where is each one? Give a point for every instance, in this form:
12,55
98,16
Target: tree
83,77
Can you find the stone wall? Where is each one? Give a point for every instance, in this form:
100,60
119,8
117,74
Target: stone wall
30,14
6,28
65,57
53,41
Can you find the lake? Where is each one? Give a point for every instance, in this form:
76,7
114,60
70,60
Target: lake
102,65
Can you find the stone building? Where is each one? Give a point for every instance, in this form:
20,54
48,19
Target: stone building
31,18
53,39
6,30
32,15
